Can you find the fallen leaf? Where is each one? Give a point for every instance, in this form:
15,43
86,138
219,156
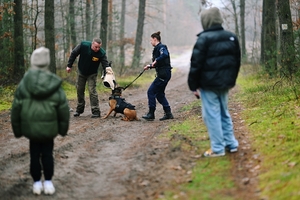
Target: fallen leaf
196,156
255,168
255,156
281,136
145,183
292,164
177,167
246,180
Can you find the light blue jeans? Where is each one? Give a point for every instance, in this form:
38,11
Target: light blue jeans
217,119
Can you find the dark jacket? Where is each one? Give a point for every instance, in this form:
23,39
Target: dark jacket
216,57
40,109
89,60
161,54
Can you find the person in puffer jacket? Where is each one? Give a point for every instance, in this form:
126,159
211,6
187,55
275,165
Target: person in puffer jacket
40,112
215,64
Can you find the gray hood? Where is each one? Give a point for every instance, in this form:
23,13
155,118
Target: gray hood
211,17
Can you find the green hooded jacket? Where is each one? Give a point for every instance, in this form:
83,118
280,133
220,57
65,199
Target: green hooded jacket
40,109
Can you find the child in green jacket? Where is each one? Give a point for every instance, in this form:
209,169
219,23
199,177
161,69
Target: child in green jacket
40,112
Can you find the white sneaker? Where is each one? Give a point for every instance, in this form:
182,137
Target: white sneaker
48,187
37,187
210,153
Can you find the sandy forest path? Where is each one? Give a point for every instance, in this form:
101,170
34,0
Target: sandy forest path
114,160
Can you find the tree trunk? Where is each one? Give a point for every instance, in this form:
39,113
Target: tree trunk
235,15
35,31
94,18
82,19
122,39
88,20
139,34
255,54
50,32
104,20
72,23
242,22
269,50
110,31
287,49
6,46
263,33
19,67
64,32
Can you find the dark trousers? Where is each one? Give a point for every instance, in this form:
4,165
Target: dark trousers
91,81
41,158
157,91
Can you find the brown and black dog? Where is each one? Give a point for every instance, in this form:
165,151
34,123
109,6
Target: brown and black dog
119,105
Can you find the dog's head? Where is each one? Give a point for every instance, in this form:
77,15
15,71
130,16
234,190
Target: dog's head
117,91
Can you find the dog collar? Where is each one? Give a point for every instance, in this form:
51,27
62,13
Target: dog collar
115,96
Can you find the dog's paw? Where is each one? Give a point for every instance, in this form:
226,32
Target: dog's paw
125,119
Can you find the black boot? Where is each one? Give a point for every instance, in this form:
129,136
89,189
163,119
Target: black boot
150,115
95,114
76,114
168,114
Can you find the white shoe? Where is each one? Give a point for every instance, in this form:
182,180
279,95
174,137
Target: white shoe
37,187
48,187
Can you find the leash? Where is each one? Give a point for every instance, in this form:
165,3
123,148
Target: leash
134,80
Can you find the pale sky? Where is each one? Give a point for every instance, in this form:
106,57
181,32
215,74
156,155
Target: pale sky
216,3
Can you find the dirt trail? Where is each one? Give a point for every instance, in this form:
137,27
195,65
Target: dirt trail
113,159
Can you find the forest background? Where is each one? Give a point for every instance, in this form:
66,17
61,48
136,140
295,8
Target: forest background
124,26
268,30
